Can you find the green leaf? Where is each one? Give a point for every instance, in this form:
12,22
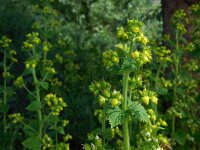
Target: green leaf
32,143
128,65
162,91
61,130
51,119
34,106
27,72
180,137
4,108
138,111
114,116
44,85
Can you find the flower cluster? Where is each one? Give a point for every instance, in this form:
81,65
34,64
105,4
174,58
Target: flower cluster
56,104
110,58
180,20
19,82
149,95
96,142
16,117
46,46
47,142
121,34
148,137
165,83
102,89
136,81
163,54
32,40
142,57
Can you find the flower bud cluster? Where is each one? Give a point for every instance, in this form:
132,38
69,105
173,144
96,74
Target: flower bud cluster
121,34
65,123
163,54
180,20
19,82
56,82
124,48
6,74
136,81
193,65
173,112
195,8
30,64
165,83
142,57
96,142
101,88
32,40
149,95
12,54
46,46
50,70
110,58
5,42
63,146
47,142
56,104
116,98
67,137
16,117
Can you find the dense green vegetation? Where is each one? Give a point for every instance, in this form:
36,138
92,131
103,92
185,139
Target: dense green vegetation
98,74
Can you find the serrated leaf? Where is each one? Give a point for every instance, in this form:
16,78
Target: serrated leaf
60,130
44,85
34,106
32,143
128,65
180,137
114,116
138,111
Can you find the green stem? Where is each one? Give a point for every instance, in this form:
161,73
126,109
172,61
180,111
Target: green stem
5,90
124,107
103,127
176,74
56,135
157,77
173,125
38,99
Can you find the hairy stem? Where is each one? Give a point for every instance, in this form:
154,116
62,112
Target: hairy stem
37,88
125,125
